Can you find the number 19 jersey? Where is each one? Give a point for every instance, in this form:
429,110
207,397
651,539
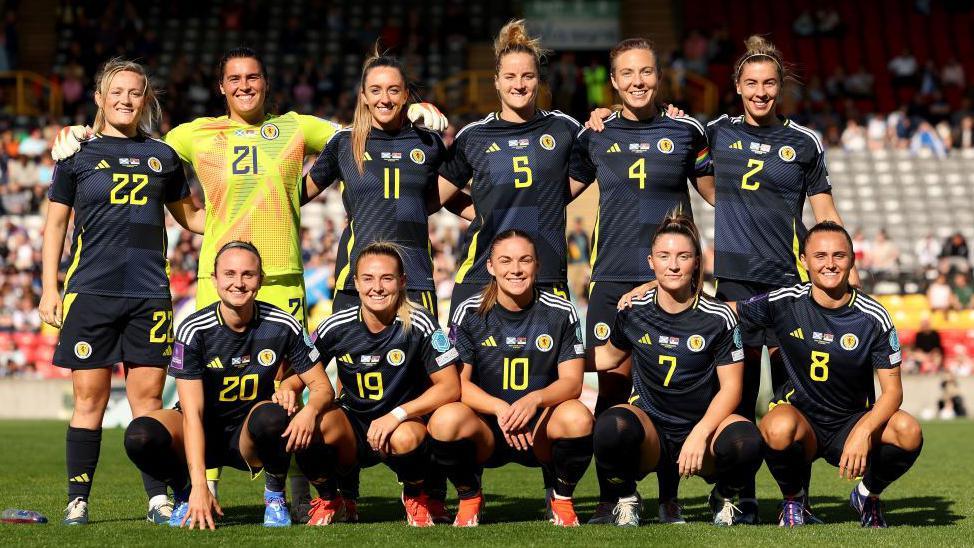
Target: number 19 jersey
762,176
520,180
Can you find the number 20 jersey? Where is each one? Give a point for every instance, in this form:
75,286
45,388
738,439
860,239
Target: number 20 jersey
763,175
118,188
519,180
829,354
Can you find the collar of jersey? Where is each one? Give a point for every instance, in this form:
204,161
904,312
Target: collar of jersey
223,324
785,122
653,296
267,117
839,310
517,314
537,116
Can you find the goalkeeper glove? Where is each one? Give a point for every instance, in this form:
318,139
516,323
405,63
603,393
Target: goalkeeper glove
68,141
427,115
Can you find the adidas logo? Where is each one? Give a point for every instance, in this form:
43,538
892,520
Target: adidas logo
347,358
646,339
798,334
366,157
215,364
614,148
493,148
102,164
737,146
489,342
83,478
167,352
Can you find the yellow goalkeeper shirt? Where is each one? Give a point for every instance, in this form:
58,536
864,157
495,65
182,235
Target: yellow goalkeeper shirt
251,177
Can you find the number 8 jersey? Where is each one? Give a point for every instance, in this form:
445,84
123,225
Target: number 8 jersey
519,180
118,187
513,353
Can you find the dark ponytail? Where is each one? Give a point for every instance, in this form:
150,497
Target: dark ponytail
677,222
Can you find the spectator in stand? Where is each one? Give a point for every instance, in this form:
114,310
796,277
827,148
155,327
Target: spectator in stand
929,79
964,135
927,251
927,352
903,69
955,255
952,75
963,293
564,82
939,295
804,24
828,22
853,136
926,138
876,132
951,402
861,248
885,257
859,84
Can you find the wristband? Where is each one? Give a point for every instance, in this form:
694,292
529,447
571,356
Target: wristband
399,413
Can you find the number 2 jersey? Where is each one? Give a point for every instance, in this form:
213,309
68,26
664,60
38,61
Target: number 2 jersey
763,175
829,354
520,180
387,201
118,187
380,371
251,177
238,368
513,353
675,358
642,168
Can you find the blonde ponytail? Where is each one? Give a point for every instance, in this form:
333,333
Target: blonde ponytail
757,50
513,38
150,112
362,120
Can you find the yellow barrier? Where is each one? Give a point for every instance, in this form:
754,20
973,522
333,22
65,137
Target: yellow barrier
27,103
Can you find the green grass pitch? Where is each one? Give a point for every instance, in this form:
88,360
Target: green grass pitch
931,506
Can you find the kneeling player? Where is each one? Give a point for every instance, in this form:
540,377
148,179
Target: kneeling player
395,367
522,374
687,375
225,360
832,337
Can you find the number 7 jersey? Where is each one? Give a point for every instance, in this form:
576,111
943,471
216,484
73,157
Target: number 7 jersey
251,178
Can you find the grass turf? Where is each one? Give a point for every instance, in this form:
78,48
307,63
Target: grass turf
930,506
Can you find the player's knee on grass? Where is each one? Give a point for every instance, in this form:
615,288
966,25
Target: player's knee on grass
451,422
906,430
780,428
571,419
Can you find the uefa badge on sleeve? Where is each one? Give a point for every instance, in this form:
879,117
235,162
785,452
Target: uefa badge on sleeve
439,340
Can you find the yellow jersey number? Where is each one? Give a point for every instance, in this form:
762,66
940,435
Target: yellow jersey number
515,373
637,171
369,385
820,366
391,180
521,167
163,319
756,165
119,195
671,362
239,388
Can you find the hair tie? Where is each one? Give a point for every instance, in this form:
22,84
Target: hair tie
753,55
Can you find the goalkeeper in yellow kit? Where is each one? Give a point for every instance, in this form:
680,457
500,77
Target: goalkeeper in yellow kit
250,164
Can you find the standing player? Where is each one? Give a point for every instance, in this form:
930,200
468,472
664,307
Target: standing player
522,374
642,159
832,338
687,373
117,306
388,172
225,362
395,367
516,162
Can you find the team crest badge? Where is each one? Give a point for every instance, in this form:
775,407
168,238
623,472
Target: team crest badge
155,164
849,341
82,350
266,357
395,357
664,145
786,153
269,132
695,343
547,142
417,156
602,331
544,342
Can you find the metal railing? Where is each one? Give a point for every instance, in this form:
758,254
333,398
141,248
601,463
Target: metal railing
31,94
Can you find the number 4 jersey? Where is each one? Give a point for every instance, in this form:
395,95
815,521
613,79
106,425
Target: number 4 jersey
118,187
238,368
829,354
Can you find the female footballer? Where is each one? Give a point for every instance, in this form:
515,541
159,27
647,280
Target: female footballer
116,305
521,376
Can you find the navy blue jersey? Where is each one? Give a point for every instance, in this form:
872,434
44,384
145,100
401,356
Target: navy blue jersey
238,368
675,358
387,201
642,169
118,187
513,353
519,178
829,354
380,371
762,176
